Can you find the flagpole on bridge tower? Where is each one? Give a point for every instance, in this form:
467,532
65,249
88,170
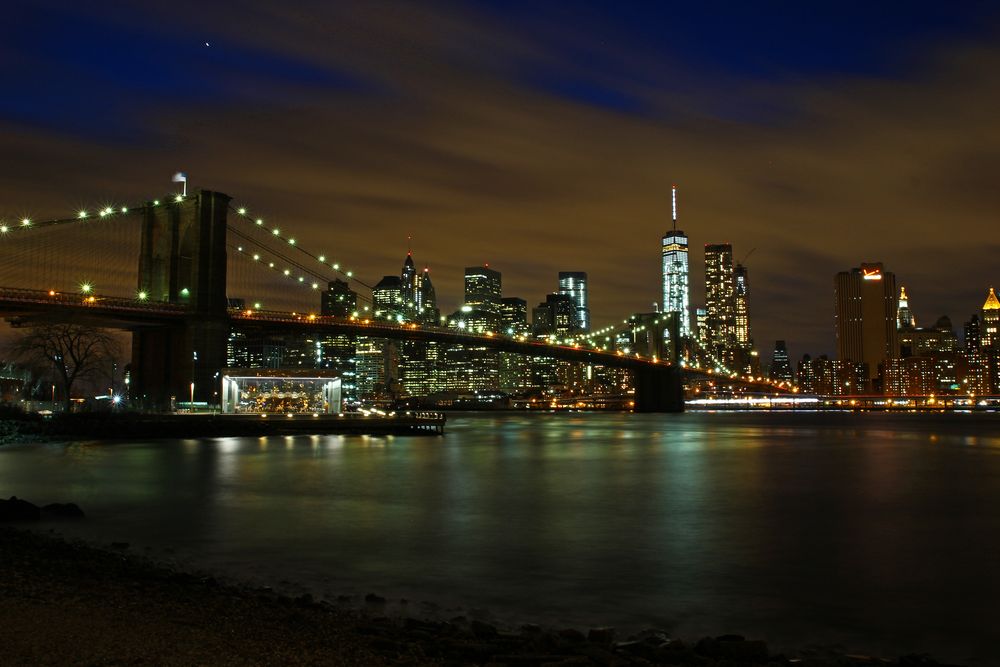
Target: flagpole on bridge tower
181,177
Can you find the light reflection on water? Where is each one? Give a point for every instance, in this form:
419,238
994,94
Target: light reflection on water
874,531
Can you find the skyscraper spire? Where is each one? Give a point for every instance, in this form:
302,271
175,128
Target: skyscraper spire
992,303
904,318
673,196
408,287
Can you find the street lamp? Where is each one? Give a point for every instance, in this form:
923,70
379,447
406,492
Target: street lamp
194,362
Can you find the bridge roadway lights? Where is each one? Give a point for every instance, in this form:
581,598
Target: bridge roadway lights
659,389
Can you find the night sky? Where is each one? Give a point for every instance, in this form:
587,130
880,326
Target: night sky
539,137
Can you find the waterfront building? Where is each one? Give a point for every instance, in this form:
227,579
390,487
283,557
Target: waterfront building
419,365
674,256
420,361
377,368
469,368
866,317
989,339
838,377
977,359
337,354
574,285
929,361
805,377
720,301
928,341
515,369
781,369
912,376
339,300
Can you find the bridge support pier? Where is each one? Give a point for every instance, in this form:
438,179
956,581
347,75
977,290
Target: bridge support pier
659,389
183,261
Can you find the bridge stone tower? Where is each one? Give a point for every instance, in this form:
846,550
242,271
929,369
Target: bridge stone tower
182,260
661,388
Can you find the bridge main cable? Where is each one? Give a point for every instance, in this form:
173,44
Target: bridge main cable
276,233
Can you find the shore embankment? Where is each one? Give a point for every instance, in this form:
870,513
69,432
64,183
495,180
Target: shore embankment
68,602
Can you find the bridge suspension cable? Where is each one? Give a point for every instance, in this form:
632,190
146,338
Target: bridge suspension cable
322,259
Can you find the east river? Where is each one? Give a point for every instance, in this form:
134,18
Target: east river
876,532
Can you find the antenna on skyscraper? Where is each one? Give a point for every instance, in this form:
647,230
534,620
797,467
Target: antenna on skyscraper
673,196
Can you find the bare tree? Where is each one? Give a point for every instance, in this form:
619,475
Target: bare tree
73,351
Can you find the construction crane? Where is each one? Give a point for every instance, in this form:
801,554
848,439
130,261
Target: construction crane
747,256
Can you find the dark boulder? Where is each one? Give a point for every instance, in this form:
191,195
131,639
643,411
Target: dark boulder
482,630
62,511
16,509
572,635
604,636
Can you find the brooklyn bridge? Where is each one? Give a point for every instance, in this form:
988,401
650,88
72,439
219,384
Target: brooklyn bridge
177,273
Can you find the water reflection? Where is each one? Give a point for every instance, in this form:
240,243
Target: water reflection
855,529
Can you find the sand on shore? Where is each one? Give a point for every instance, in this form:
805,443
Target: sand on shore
67,603
64,602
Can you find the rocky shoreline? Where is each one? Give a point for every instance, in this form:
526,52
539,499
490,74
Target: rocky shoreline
72,602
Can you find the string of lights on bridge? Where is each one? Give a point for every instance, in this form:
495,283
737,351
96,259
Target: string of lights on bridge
110,211
243,213
717,367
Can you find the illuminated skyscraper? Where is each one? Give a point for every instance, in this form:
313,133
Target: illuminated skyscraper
989,336
574,285
904,318
720,300
675,272
701,325
409,290
742,307
514,316
339,299
483,289
866,317
387,298
781,369
427,308
555,315
745,360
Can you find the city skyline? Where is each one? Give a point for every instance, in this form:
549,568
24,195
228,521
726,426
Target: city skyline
865,162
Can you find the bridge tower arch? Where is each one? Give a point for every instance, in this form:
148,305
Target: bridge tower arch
660,388
182,260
